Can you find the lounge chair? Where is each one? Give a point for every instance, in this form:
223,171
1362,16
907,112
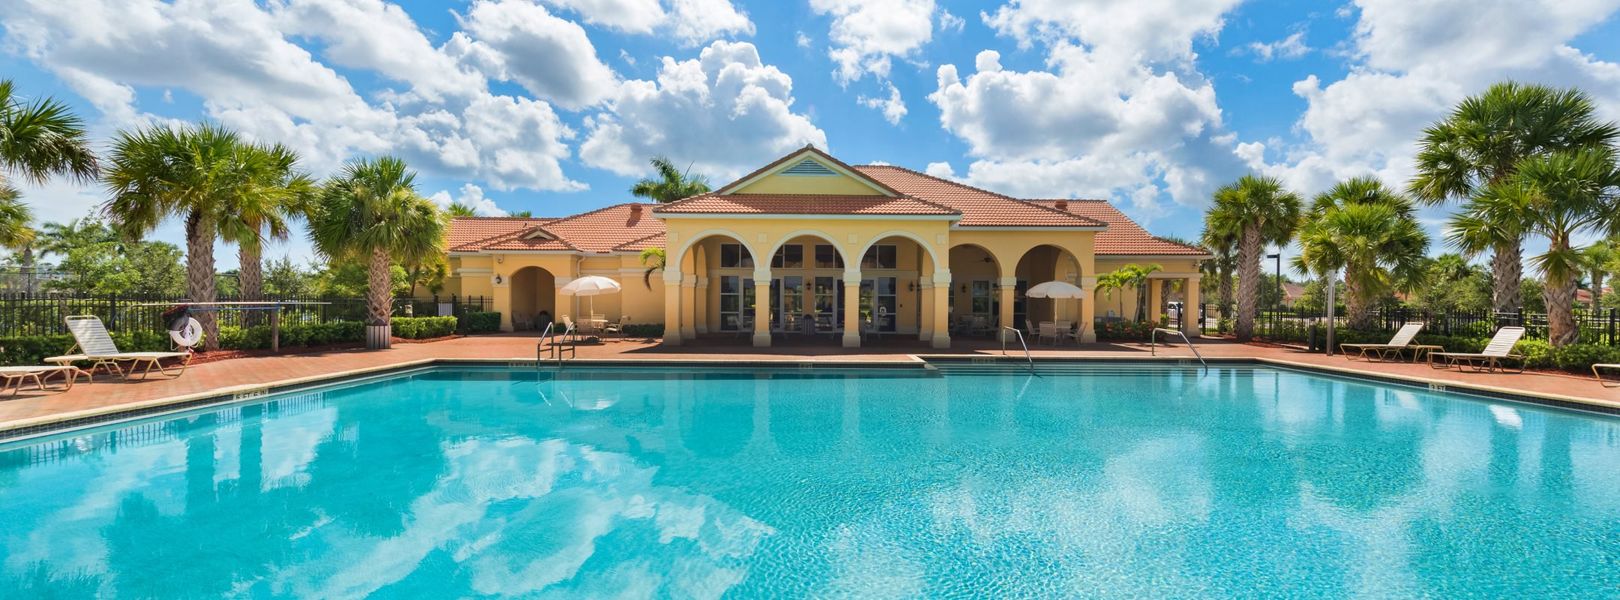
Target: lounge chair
96,346
1597,371
1500,349
1400,342
17,376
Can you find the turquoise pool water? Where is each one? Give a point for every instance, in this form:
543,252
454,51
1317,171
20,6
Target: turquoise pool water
1118,482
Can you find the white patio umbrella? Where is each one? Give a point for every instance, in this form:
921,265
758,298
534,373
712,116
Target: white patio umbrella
590,286
1062,290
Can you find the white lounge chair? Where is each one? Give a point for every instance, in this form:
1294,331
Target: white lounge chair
17,376
1597,371
96,346
1500,349
1400,342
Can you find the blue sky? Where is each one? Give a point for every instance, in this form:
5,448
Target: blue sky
553,106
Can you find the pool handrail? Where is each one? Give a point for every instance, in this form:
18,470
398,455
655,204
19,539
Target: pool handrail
1153,343
1020,335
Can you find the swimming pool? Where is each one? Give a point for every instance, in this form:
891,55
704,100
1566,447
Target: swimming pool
1114,481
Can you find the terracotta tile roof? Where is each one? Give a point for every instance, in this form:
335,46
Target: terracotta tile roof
598,231
980,208
467,230
1124,236
652,241
802,204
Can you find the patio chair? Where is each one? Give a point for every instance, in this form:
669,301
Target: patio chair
1597,371
1049,331
1400,342
1500,349
17,376
1074,333
96,346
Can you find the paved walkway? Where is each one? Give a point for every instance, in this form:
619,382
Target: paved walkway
32,407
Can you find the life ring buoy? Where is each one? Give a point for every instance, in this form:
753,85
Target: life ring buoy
188,334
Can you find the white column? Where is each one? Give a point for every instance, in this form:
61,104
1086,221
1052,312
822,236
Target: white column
925,299
702,295
852,306
942,311
689,314
672,307
1007,286
762,307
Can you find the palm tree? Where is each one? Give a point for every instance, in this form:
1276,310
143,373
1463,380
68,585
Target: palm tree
1600,259
193,172
457,209
654,259
1369,231
276,192
1558,196
1221,267
38,140
371,212
672,184
1482,142
1255,210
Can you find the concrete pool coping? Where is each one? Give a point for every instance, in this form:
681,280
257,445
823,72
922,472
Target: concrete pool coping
19,430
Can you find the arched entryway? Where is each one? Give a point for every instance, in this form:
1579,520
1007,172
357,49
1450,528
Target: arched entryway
1041,264
712,285
534,298
975,301
810,292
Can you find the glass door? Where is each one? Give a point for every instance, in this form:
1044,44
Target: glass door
879,302
736,302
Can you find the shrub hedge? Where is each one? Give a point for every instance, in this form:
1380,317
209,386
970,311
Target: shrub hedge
421,328
481,322
644,330
1538,354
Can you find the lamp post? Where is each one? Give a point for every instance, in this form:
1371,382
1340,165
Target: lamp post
1276,310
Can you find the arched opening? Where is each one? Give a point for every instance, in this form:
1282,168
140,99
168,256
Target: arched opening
534,298
808,301
724,291
1038,265
975,305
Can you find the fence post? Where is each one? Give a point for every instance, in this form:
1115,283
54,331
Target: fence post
1613,341
112,312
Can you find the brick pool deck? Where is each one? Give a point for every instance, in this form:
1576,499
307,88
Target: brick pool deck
107,395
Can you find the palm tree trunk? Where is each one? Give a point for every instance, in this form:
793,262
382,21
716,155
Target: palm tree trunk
1226,292
200,273
1597,290
379,298
1360,319
1560,297
250,277
27,260
1507,269
1248,282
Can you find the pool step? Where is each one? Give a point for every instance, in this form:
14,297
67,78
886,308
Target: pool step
1009,367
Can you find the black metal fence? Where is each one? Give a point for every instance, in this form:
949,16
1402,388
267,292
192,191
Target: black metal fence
1292,324
23,314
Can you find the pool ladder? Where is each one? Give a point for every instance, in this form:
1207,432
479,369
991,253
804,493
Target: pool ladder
558,350
1153,343
1020,335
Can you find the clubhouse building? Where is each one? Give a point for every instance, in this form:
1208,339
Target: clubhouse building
808,247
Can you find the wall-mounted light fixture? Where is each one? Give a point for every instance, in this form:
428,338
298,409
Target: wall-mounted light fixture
499,280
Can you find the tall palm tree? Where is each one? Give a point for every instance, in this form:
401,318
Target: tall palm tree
1600,258
371,212
457,209
1559,196
1256,210
38,140
193,172
1369,231
1220,268
1482,142
275,192
671,184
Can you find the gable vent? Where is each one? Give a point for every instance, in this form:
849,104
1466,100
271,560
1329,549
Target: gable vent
808,168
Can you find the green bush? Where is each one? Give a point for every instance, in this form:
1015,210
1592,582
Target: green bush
644,330
481,322
421,328
32,349
1133,331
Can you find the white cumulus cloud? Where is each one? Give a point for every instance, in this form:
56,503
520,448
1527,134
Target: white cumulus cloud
892,106
471,196
720,112
866,35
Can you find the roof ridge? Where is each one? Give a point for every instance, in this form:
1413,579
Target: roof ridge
813,150
592,212
1076,217
501,218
